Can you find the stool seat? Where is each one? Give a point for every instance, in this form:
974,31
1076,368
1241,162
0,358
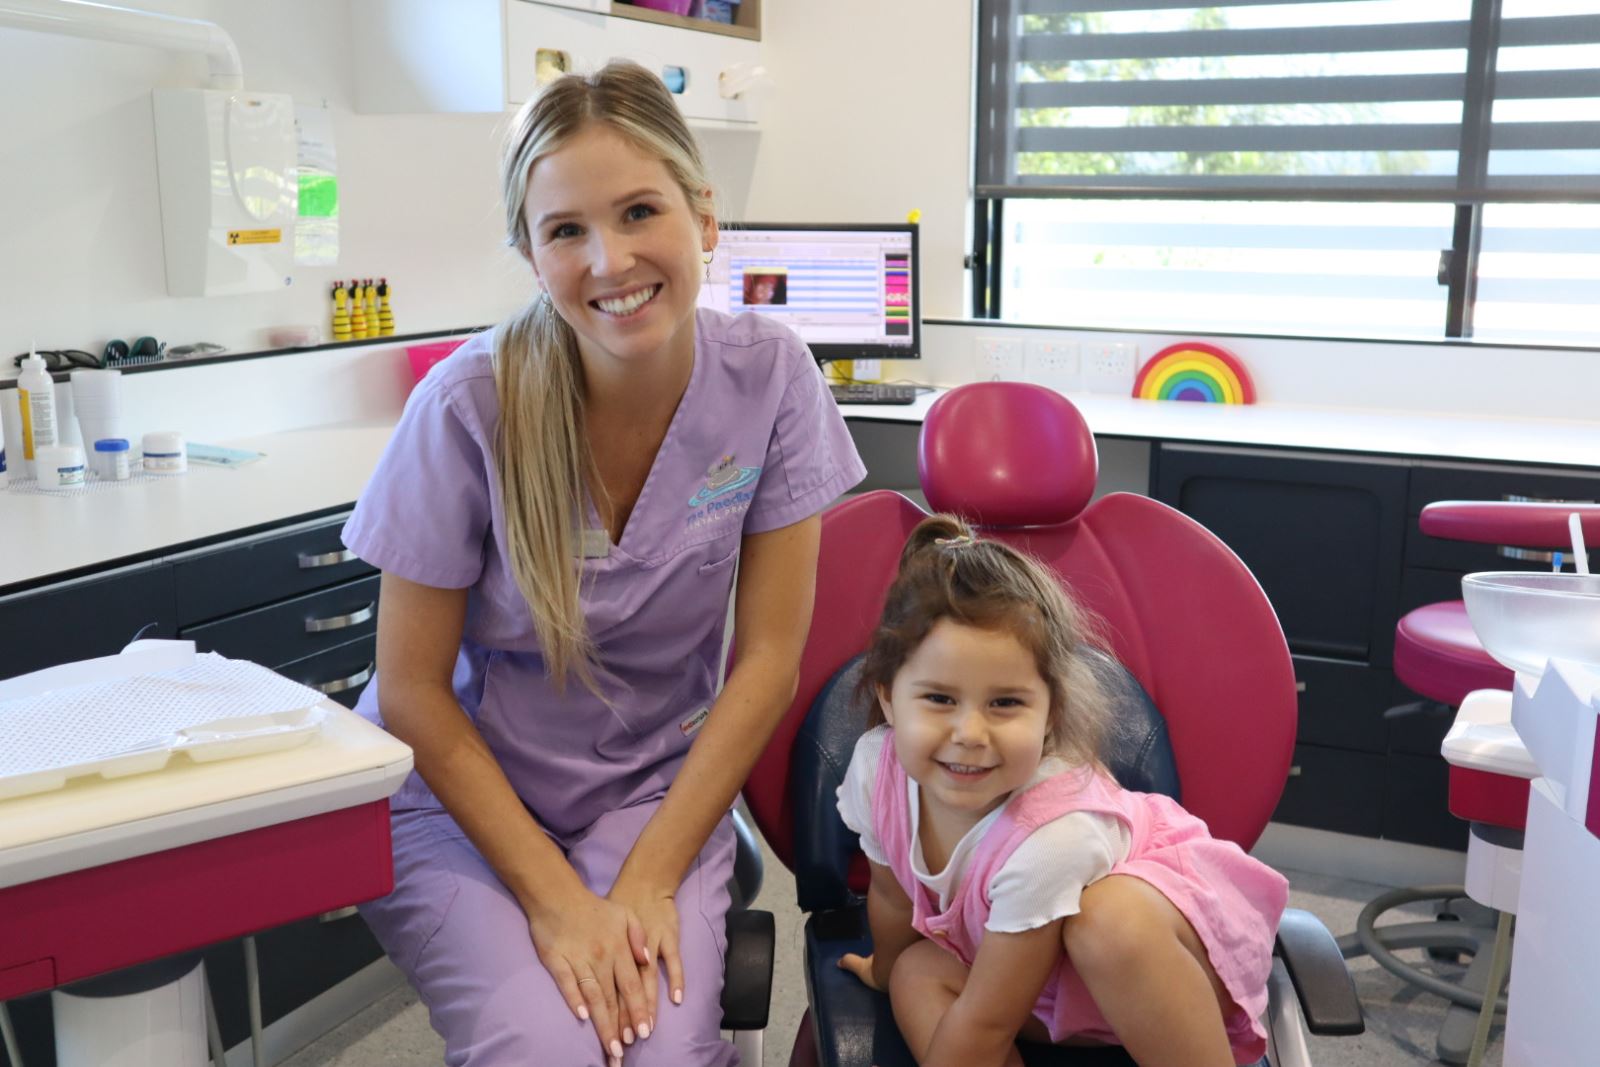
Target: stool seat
1437,654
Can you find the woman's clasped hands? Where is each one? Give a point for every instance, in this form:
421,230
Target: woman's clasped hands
604,954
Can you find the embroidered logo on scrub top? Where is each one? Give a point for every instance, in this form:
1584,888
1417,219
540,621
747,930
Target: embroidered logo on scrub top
725,493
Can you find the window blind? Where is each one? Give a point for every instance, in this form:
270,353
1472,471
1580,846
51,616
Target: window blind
1461,101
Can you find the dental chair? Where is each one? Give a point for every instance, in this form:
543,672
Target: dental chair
1207,706
1437,655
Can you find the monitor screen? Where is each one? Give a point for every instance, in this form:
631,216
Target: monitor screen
849,291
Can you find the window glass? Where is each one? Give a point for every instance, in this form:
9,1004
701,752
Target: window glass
1312,269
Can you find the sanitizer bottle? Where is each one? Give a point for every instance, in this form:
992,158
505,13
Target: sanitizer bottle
36,395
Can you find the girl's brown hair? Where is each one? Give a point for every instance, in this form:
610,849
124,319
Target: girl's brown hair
946,573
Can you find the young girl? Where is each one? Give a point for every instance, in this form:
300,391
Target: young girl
1017,890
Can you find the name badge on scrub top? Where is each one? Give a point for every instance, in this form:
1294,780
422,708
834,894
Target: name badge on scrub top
594,544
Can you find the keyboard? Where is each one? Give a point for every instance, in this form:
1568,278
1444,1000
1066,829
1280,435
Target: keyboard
872,393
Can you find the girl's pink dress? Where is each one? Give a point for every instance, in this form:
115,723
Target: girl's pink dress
1232,901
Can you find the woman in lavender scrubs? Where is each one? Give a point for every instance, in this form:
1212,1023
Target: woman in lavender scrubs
558,518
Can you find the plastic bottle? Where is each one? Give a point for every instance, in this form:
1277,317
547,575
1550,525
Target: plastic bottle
36,394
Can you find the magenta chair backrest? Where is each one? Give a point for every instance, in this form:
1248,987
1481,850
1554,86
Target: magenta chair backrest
1178,608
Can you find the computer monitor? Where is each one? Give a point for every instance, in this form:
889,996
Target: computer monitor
849,291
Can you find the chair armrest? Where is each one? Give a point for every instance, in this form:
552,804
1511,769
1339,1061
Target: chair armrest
1317,970
747,970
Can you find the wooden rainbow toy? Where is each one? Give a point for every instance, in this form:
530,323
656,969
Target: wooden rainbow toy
1192,370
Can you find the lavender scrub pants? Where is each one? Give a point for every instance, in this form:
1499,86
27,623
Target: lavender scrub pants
462,940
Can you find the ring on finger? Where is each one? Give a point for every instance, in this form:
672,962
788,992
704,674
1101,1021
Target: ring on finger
596,981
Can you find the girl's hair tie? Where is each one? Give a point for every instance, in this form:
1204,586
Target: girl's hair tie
959,541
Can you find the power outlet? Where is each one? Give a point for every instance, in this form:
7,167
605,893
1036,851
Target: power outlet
1053,364
1109,366
999,359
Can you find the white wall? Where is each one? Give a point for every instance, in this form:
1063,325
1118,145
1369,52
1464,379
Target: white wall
80,220
870,118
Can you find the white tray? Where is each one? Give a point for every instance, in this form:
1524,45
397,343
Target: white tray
131,714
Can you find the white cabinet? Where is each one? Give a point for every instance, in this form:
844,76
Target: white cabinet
416,56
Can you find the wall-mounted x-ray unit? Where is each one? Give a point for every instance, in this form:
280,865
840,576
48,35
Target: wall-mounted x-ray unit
229,196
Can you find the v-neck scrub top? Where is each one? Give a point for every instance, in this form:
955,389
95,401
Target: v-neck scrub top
756,444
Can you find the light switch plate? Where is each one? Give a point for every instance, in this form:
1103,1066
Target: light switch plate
999,359
1110,366
1052,364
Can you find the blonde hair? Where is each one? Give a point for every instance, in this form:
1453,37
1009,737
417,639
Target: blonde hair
946,573
541,457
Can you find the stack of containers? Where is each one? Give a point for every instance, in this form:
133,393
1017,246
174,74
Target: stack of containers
97,398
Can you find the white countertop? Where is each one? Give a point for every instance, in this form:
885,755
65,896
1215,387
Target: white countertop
313,470
303,472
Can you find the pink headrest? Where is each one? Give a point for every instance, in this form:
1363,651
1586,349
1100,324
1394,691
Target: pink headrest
1007,454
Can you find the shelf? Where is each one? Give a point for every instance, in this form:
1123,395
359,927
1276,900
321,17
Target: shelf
748,25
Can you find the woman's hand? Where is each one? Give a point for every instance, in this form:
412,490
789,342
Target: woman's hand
656,911
590,946
861,967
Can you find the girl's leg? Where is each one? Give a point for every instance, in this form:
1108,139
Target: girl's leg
1149,975
926,980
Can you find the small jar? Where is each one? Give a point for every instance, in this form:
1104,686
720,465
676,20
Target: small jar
59,467
164,453
111,458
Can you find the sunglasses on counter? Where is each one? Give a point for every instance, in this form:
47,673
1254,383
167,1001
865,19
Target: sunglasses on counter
64,359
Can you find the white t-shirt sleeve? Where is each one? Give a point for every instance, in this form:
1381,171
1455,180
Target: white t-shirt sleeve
855,792
1042,880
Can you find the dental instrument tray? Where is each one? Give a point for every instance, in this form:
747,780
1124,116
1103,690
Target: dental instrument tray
132,713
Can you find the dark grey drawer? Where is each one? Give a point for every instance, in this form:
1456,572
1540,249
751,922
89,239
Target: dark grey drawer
339,673
262,571
297,628
1332,789
1342,704
85,619
1417,803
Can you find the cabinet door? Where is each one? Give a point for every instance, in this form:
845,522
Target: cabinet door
237,577
340,673
1323,535
294,629
82,620
1416,805
1342,703
589,40
1331,789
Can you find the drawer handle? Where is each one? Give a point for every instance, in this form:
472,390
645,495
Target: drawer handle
1294,771
1299,687
326,559
339,685
340,622
1529,555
